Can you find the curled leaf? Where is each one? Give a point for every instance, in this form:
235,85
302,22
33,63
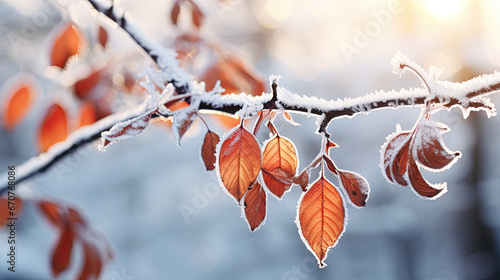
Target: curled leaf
208,149
239,161
255,206
182,121
430,151
54,127
289,118
421,186
321,218
280,163
397,145
66,45
17,106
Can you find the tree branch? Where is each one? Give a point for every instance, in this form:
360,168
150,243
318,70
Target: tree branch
467,96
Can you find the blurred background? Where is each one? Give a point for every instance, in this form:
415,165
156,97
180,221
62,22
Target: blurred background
167,218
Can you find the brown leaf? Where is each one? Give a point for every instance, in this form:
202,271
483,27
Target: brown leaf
88,114
397,144
430,150
330,165
208,149
255,206
18,104
61,256
321,218
92,262
240,161
280,161
329,145
421,186
65,46
103,36
54,127
356,187
174,14
51,211
197,15
303,179
84,87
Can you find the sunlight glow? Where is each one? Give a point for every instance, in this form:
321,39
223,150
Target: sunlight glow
445,9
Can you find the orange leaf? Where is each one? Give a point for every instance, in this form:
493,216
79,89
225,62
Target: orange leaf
356,187
87,114
92,263
321,218
421,186
65,46
176,105
51,211
255,206
176,10
84,87
5,209
279,159
61,255
208,149
54,127
18,105
329,145
240,161
103,36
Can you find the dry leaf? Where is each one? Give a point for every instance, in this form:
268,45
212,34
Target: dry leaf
65,46
208,149
255,206
18,105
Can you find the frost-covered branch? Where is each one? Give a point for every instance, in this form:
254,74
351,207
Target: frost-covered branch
469,95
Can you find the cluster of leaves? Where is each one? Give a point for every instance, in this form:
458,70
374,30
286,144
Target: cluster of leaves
73,229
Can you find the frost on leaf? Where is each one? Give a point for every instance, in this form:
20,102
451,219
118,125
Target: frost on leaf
54,127
65,46
255,206
126,129
182,121
17,106
356,187
239,161
405,151
279,164
321,218
208,149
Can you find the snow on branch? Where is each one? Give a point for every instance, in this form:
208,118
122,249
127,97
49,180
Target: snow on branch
435,95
